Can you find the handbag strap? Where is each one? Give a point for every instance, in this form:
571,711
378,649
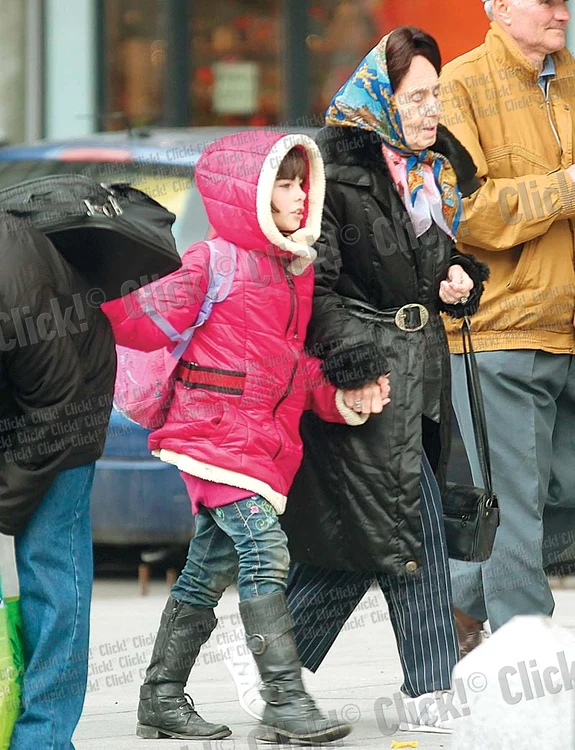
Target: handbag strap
477,406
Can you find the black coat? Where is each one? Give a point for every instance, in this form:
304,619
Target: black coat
355,501
57,370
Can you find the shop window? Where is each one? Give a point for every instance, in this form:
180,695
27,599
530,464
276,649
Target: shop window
235,54
236,62
134,64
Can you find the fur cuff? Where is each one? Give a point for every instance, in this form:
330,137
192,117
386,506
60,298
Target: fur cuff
351,417
354,368
479,273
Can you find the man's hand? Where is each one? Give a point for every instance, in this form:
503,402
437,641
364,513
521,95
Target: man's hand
370,399
571,172
456,287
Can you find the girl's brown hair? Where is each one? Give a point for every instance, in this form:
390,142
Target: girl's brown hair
294,165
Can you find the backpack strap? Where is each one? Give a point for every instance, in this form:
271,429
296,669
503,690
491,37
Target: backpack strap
223,258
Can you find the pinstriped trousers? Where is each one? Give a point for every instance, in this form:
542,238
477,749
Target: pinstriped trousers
420,604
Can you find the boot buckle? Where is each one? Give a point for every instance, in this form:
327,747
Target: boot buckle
274,694
256,643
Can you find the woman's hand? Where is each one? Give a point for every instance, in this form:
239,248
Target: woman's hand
456,287
371,398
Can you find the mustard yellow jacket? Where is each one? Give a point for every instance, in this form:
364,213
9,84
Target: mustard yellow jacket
520,221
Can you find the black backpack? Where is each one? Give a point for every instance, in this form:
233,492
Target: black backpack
116,236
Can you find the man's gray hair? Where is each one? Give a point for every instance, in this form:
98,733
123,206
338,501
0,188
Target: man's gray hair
488,5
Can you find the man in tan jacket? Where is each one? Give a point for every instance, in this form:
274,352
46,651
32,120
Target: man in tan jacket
511,102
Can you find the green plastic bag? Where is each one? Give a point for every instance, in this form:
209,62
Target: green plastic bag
11,653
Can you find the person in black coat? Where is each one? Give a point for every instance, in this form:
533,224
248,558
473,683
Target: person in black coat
366,504
57,371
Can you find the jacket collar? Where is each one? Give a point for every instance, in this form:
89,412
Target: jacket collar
507,53
351,147
357,156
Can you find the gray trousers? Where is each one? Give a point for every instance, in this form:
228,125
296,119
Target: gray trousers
530,408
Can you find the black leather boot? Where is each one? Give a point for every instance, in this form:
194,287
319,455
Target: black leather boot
164,709
469,632
290,713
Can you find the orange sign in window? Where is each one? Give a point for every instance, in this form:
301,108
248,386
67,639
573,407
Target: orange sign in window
458,25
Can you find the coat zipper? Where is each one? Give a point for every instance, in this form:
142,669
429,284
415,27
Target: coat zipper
282,399
293,304
294,312
550,116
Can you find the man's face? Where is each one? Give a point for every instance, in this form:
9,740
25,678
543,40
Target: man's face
537,26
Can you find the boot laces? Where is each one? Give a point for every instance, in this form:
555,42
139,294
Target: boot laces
186,705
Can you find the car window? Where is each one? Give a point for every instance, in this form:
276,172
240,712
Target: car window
170,185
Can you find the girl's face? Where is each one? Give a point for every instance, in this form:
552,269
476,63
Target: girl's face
418,104
288,198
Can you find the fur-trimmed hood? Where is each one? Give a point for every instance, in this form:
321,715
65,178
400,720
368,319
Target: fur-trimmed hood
235,176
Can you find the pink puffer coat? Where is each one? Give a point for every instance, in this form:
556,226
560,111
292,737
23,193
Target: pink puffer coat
236,419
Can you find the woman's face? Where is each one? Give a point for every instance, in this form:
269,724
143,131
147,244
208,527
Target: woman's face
417,100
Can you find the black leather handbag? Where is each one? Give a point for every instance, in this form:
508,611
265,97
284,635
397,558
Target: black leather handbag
471,514
117,236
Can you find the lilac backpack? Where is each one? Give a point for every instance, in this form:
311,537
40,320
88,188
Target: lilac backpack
145,380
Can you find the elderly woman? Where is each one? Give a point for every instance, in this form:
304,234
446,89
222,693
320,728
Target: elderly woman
366,504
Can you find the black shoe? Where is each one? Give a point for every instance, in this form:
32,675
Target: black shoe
469,632
167,713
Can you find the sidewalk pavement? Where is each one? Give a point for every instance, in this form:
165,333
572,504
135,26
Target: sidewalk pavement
359,680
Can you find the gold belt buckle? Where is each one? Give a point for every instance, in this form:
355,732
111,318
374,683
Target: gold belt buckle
401,317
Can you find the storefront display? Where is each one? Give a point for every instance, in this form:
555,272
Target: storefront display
234,57
236,62
134,55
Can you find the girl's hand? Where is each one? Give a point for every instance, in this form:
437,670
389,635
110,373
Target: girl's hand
456,288
370,399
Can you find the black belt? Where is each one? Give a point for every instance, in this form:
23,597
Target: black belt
411,317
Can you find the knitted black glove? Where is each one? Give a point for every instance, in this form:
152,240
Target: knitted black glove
459,158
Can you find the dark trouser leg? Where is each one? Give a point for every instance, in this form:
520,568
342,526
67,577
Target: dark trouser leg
420,604
559,512
321,601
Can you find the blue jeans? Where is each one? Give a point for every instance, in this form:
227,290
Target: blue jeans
54,559
243,539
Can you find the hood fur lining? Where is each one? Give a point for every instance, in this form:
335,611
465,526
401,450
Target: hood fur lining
300,243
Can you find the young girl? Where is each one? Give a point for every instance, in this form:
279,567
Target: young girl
233,426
